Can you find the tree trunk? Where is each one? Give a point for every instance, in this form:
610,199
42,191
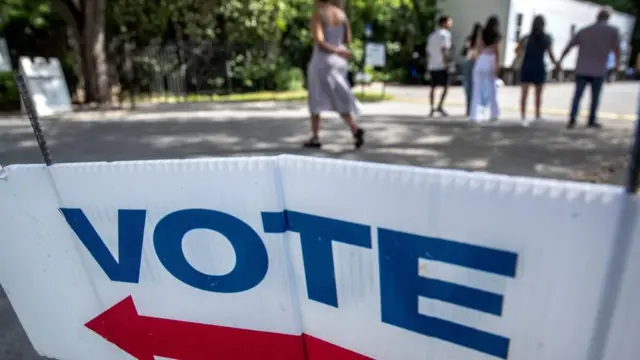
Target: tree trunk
93,47
87,21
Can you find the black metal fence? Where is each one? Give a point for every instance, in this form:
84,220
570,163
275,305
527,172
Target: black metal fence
199,69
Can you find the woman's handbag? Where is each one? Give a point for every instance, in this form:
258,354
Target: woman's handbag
517,62
351,78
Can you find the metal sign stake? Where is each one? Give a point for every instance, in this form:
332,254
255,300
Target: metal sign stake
33,117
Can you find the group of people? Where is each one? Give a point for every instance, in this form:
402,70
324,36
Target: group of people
482,55
330,91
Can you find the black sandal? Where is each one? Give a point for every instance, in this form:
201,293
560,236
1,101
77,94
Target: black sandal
359,138
312,143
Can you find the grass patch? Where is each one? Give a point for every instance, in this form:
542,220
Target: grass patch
257,96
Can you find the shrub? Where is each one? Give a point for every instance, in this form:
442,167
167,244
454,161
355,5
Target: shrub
9,95
288,79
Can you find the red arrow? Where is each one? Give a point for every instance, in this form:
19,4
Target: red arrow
145,336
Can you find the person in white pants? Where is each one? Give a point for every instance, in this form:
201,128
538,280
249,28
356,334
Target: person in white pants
485,72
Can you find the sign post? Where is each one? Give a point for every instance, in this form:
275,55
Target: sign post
633,174
27,100
376,56
368,32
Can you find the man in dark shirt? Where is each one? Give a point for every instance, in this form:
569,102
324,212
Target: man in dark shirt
594,42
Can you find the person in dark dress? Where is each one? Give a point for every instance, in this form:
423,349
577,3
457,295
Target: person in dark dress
533,71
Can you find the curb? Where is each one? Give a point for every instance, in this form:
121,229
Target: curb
547,111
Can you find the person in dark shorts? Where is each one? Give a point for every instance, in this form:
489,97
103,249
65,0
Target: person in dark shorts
594,43
439,60
533,48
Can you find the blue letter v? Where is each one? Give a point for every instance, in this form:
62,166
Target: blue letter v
130,236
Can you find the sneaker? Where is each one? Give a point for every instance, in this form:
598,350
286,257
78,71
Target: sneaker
571,125
595,125
313,143
525,122
359,138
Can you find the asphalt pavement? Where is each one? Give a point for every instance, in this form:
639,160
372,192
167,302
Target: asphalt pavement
397,133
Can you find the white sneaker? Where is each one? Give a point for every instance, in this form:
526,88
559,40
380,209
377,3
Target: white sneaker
525,122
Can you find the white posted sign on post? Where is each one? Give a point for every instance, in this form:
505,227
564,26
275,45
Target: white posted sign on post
5,59
376,55
47,85
294,258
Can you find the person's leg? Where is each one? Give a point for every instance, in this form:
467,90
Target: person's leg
476,97
444,82
596,91
538,100
524,94
348,119
492,89
357,132
581,82
467,82
314,141
432,94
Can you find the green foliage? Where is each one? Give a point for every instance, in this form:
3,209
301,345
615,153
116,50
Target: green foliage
34,13
289,79
9,95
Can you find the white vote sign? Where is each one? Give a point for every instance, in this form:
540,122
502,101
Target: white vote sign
291,258
47,85
5,59
376,55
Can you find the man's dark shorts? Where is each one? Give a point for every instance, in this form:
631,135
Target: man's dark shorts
439,77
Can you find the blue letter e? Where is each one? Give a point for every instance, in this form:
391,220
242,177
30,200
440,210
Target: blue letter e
130,236
401,285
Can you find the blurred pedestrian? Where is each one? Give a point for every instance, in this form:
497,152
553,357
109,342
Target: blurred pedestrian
533,70
439,59
594,43
328,86
485,72
470,52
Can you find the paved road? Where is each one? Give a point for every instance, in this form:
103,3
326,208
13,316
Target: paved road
619,100
398,133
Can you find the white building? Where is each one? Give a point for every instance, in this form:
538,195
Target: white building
563,19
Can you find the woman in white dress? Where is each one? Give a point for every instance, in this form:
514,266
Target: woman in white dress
485,72
329,89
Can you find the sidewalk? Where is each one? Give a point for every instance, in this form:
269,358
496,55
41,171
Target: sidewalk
618,101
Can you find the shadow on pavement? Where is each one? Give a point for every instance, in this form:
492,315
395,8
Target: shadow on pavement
543,150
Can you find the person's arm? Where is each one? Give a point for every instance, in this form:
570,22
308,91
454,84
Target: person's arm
574,42
496,50
347,35
550,50
616,51
520,47
347,32
446,49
